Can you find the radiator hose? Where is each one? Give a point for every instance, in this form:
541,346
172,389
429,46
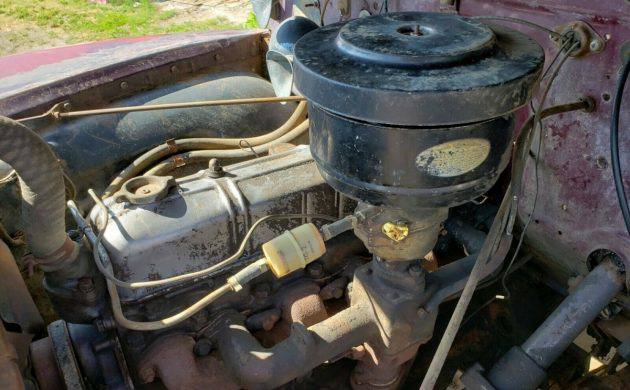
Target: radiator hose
42,188
43,212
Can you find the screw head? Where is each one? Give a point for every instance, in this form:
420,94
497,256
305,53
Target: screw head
596,45
174,69
124,85
315,270
215,170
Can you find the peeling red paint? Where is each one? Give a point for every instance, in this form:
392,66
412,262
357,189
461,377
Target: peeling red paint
24,62
577,209
45,77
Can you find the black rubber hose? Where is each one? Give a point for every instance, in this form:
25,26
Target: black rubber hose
614,145
41,184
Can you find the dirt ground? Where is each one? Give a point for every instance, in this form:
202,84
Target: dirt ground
235,11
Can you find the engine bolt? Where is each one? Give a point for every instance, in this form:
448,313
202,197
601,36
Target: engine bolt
202,347
596,45
104,324
315,270
215,170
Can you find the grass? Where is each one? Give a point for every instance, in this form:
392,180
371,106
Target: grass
74,21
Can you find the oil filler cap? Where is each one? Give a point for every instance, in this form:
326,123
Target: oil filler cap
417,69
146,189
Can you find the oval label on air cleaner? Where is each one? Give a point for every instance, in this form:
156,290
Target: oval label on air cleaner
453,158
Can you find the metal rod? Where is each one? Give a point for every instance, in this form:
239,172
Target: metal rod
480,268
168,106
574,314
525,367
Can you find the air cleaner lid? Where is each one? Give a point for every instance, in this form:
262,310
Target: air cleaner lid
418,69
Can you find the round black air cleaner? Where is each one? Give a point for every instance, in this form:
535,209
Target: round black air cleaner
414,109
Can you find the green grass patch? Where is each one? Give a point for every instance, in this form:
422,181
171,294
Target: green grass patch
81,20
251,21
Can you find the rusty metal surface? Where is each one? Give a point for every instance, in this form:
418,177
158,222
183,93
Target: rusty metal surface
377,369
42,78
383,311
257,367
21,342
64,355
10,376
301,303
45,365
334,289
297,302
577,210
172,359
16,303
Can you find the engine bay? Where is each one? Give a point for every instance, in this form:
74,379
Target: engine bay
404,198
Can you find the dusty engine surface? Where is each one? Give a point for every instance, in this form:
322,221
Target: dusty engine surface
202,218
376,239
